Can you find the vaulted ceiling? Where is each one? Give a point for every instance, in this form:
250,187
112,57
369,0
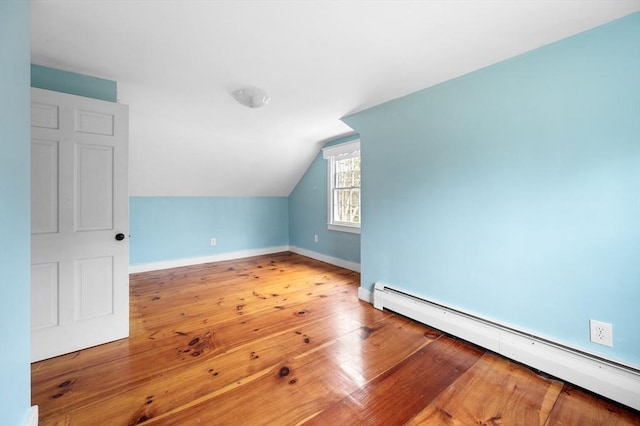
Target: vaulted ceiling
177,61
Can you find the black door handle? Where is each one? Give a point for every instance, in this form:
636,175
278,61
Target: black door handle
120,237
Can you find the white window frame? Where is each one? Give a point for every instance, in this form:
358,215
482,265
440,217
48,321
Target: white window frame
331,154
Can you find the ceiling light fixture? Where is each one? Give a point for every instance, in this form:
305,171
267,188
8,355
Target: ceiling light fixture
251,97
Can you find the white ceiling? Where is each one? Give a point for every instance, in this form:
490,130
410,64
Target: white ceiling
177,61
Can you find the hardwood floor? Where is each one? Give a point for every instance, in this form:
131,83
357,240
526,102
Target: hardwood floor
284,340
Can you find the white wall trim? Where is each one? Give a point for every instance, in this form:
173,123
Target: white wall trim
32,417
327,259
365,295
155,266
351,148
343,228
608,378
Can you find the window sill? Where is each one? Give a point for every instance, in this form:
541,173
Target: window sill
344,228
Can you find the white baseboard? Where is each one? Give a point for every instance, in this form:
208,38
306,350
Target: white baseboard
365,295
609,378
327,259
155,266
32,417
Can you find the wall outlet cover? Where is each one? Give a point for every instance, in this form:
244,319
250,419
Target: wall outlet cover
601,333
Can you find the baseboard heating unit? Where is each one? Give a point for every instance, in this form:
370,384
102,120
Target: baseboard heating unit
610,379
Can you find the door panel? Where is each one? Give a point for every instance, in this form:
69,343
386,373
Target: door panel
44,186
94,122
44,295
44,115
80,279
94,287
94,186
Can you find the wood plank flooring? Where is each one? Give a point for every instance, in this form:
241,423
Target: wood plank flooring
283,340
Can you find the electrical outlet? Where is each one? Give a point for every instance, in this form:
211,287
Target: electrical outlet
213,242
601,333
315,238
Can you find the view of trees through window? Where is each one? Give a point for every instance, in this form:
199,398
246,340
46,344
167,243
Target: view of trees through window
346,190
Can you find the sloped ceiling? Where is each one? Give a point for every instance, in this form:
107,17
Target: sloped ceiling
177,61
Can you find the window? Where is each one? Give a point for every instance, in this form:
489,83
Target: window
343,190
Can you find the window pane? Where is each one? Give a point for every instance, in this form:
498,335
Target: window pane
346,190
355,197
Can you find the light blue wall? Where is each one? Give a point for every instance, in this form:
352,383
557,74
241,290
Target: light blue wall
308,214
171,228
15,251
72,83
514,192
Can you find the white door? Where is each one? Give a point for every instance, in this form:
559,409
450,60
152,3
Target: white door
79,223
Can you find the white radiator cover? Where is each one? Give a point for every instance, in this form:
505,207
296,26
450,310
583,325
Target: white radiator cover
612,380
